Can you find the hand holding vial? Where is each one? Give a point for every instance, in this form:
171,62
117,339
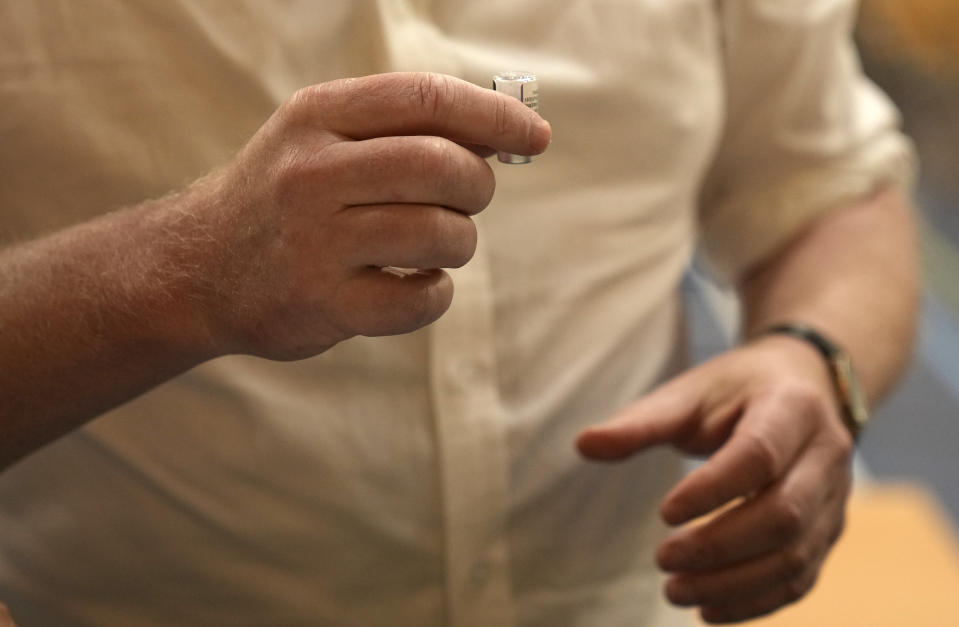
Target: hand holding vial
346,179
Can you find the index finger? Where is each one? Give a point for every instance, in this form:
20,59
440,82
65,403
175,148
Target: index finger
422,103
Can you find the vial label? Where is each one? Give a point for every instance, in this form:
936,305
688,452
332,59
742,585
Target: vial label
524,87
531,96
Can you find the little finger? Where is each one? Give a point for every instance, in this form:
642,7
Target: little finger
765,603
377,302
750,579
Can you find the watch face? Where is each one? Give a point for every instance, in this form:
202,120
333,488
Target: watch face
851,395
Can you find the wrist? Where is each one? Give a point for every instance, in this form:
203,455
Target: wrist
100,315
798,358
848,393
172,287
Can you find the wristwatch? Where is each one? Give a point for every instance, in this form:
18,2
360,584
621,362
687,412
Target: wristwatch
852,399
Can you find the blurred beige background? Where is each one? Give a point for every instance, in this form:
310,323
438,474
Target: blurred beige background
897,565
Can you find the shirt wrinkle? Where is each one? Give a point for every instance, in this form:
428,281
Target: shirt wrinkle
430,478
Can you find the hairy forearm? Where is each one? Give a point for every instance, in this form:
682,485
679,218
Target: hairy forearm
279,254
94,315
853,275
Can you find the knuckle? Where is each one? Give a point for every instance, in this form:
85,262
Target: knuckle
844,446
302,97
451,238
434,93
453,177
472,237
434,158
312,105
795,561
288,173
431,302
761,456
431,230
307,99
489,182
437,160
800,586
501,117
788,520
288,167
706,552
805,399
465,239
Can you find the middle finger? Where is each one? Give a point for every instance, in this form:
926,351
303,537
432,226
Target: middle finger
422,170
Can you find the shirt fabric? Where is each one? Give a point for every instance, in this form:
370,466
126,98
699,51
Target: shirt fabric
430,478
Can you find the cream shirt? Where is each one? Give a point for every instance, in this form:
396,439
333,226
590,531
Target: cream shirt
426,479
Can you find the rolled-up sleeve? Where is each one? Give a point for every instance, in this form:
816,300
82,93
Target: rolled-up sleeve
806,132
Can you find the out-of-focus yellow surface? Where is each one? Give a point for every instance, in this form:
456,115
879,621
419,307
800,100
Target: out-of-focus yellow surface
923,32
911,48
896,565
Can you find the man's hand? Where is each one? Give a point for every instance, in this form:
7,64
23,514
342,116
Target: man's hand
282,253
346,179
5,619
777,478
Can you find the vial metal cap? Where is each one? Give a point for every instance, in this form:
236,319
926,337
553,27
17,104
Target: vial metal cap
524,87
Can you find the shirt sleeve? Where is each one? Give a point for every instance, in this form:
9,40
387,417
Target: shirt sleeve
806,131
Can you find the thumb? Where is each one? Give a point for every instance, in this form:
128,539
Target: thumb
665,416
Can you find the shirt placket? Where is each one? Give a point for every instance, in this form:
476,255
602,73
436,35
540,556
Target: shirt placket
472,454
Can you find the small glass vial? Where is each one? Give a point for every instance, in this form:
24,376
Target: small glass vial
523,87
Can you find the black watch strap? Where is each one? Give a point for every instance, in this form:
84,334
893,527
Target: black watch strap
825,346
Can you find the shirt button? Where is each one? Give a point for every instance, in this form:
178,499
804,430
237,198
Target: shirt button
479,574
